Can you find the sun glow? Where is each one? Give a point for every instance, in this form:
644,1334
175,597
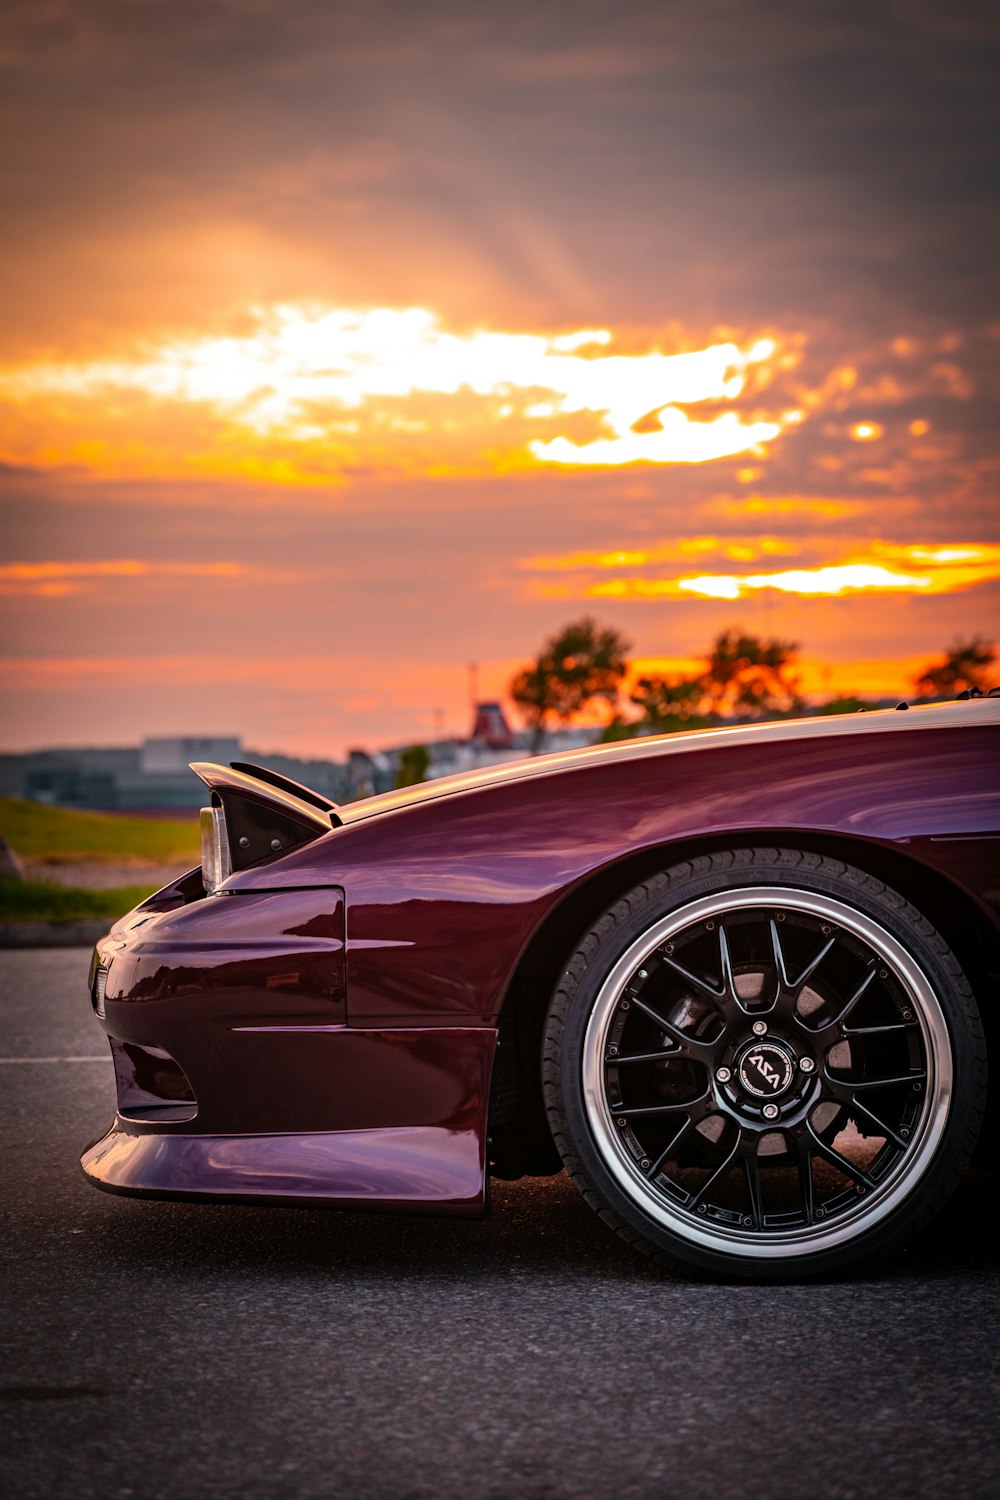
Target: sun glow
804,581
317,389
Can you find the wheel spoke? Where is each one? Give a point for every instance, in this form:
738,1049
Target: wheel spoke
629,1110
845,1093
916,1076
842,1163
888,1028
711,990
701,1196
731,1004
779,957
814,963
751,1168
836,1023
785,980
686,1043
669,1150
726,967
803,1166
880,1125
634,1057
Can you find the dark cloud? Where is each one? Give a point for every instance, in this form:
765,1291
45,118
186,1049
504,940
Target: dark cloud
722,160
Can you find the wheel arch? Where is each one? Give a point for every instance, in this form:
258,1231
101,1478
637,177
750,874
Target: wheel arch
520,1140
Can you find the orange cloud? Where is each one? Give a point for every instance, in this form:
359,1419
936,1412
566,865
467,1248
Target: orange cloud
54,579
792,507
678,549
882,567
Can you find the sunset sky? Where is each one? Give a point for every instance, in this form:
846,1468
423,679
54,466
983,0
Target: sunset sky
343,345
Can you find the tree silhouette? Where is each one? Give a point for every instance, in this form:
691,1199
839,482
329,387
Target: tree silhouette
965,665
583,661
413,766
747,677
670,703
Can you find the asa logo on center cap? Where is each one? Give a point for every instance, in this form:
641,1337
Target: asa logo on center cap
765,1070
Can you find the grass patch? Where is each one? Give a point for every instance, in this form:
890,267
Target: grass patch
63,835
41,901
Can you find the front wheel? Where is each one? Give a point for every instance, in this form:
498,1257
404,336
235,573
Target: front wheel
765,1064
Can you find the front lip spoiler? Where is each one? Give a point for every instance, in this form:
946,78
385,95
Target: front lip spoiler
424,1168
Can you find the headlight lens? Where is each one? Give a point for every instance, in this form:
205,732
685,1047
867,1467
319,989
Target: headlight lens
216,865
98,990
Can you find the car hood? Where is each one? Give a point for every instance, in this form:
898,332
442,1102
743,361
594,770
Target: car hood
880,721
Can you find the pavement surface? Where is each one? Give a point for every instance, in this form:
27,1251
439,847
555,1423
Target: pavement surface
155,1349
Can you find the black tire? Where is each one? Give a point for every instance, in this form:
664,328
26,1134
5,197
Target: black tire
764,1064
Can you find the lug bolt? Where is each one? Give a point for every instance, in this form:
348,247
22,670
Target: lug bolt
703,1208
723,1075
907,1015
770,1111
806,1064
862,1190
612,1051
826,929
883,973
747,1222
668,948
626,1004
709,926
621,1122
905,1133
820,1213
759,1028
643,974
244,842
275,844
645,1164
915,1087
779,916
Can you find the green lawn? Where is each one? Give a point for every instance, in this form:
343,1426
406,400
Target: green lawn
60,834
41,901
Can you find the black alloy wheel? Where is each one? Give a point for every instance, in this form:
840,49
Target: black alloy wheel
765,1064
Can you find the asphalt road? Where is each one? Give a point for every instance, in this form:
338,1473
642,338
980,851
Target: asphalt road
156,1349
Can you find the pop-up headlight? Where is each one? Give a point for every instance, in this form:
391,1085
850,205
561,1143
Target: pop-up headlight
216,865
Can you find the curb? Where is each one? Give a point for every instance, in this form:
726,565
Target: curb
83,934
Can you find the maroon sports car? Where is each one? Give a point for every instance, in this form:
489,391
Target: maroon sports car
741,983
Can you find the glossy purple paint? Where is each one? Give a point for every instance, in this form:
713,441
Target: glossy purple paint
335,1012
411,1167
444,896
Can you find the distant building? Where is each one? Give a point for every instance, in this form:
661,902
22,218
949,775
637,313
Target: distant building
171,757
154,777
492,742
490,729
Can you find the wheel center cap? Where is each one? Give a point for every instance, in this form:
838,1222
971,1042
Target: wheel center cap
766,1069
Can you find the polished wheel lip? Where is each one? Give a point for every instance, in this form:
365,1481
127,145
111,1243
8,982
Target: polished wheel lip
907,1172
